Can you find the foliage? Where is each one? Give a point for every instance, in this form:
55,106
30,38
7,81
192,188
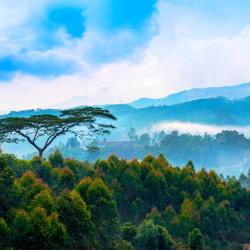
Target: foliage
4,234
226,151
118,204
76,217
37,230
9,196
151,236
79,122
195,240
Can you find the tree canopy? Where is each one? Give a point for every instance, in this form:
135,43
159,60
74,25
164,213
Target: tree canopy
41,130
62,203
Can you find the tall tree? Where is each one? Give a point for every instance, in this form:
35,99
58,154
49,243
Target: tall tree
81,122
103,210
195,240
76,217
9,195
153,237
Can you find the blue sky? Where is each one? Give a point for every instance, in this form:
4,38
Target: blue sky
56,24
118,50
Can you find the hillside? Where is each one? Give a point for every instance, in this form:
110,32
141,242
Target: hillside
117,204
230,92
216,111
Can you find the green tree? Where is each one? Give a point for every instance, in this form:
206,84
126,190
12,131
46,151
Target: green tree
44,172
45,200
103,210
9,196
37,231
155,216
56,159
169,214
30,186
129,232
4,234
188,217
156,187
79,122
136,209
21,231
153,237
66,179
120,244
36,162
76,217
195,240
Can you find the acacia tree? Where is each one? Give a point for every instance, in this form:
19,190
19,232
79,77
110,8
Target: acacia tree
41,130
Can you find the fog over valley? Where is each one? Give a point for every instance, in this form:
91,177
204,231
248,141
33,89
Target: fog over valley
195,128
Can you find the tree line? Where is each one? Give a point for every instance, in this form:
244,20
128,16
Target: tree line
227,150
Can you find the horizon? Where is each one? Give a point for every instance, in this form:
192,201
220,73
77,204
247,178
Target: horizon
109,52
66,104
73,102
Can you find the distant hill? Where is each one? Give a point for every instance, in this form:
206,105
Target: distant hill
230,92
30,112
213,111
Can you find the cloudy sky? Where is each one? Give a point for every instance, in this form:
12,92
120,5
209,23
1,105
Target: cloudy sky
112,51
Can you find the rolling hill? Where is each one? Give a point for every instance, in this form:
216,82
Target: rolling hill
212,111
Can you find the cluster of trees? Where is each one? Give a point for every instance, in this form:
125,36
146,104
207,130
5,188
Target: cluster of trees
227,151
226,148
62,203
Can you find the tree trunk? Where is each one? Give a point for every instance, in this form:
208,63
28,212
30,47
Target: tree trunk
40,153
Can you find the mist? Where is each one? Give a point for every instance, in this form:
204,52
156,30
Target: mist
196,128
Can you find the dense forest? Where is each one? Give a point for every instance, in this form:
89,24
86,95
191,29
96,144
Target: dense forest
62,203
227,152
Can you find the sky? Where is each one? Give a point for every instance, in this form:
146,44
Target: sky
115,51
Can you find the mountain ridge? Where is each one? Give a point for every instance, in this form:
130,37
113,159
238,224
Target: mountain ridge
217,110
231,92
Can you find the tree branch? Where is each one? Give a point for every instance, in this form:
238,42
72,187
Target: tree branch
29,140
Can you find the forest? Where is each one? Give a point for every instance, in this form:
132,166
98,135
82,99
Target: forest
227,152
63,203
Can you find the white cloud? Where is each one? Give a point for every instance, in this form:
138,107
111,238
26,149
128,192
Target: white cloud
181,56
196,128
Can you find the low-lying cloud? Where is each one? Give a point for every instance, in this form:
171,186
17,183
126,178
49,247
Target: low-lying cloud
196,128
